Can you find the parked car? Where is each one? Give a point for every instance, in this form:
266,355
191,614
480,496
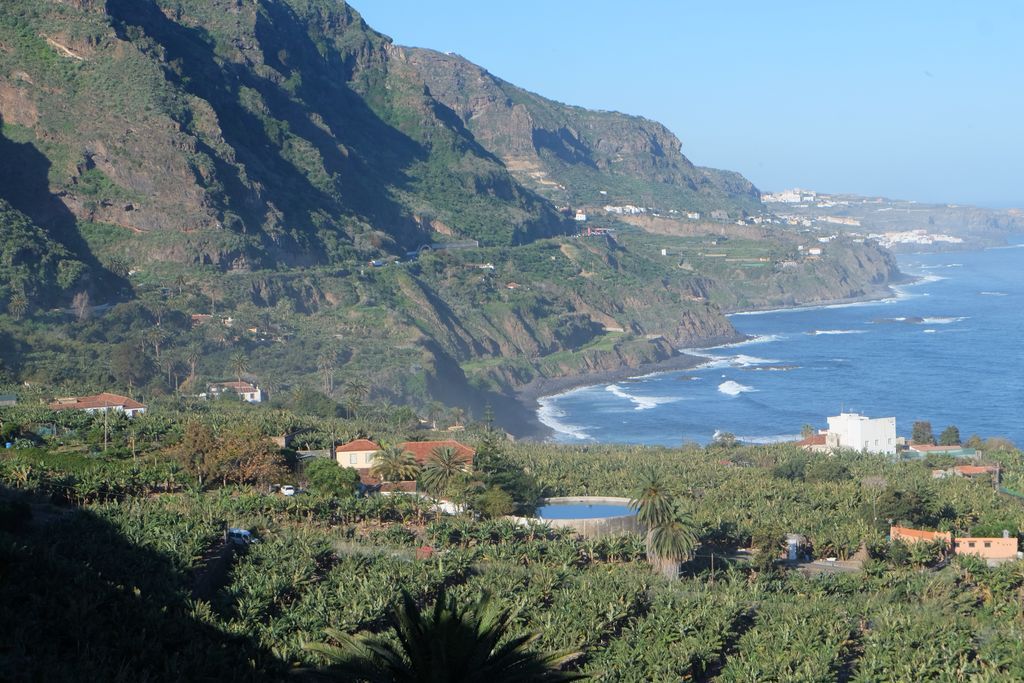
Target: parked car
288,490
241,537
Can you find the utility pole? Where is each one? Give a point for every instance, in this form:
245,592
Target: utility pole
106,432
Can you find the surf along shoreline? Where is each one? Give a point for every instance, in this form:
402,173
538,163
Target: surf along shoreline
530,396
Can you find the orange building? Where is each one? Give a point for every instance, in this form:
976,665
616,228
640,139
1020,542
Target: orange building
907,535
993,550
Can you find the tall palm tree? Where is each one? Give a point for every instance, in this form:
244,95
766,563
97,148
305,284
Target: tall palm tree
358,387
654,502
325,363
445,644
673,543
443,467
670,538
240,364
394,464
192,355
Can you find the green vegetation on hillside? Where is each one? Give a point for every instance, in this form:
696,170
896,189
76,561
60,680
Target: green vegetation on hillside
98,552
284,124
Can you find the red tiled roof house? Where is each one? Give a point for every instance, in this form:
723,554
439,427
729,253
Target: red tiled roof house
100,403
907,535
359,455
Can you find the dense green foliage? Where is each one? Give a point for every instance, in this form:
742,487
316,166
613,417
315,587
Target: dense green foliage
449,642
122,545
163,160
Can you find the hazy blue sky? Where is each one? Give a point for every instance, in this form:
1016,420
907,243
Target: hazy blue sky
918,100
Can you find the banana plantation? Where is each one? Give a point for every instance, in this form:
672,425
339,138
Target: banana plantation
122,572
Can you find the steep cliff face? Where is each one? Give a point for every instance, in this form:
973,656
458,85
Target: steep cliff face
569,153
849,270
248,134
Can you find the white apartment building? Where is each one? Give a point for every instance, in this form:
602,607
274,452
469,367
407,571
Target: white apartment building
860,433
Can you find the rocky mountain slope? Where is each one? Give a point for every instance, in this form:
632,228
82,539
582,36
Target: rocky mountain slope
288,132
248,134
571,154
236,181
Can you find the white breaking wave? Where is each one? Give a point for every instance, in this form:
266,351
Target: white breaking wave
641,402
929,331
733,388
759,339
817,332
775,438
942,320
993,293
743,361
549,415
737,361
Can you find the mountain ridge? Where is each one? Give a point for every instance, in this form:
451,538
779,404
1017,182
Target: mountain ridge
242,182
247,135
547,143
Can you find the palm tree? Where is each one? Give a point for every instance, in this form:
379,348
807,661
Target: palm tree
670,538
325,364
17,306
394,464
673,543
192,356
653,499
119,266
443,466
358,388
239,363
445,644
180,282
155,337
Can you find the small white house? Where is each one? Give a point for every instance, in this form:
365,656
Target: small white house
860,433
246,391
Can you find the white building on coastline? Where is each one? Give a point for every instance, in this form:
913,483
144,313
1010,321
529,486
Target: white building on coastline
860,433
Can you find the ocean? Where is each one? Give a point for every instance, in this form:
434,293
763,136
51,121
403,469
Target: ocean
948,348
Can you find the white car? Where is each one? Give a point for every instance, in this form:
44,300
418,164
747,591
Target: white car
288,490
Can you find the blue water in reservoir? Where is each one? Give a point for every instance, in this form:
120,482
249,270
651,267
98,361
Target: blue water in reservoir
948,349
583,510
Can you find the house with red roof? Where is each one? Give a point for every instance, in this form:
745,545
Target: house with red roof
972,471
969,471
357,454
817,443
100,403
908,535
360,453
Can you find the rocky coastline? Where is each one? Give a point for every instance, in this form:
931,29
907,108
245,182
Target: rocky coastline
526,424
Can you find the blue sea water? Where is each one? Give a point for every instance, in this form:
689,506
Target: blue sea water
948,349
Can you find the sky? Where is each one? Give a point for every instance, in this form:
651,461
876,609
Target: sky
911,100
